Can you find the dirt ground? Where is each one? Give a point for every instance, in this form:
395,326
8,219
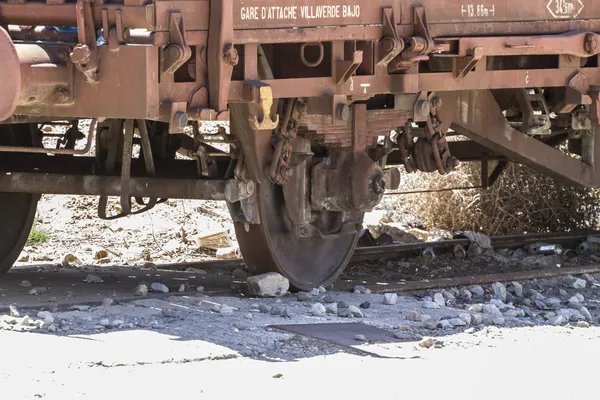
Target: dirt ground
87,332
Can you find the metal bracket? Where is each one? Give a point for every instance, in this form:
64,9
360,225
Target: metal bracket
391,44
422,27
221,55
419,45
344,69
177,52
262,96
462,66
85,54
237,190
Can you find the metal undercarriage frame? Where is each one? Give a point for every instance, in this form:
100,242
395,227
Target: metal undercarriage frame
357,71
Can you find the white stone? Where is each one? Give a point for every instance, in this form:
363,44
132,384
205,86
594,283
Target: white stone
475,308
476,319
430,323
159,287
46,316
586,314
430,305
477,290
181,288
322,289
439,299
13,311
107,302
578,284
331,308
499,291
141,290
466,294
315,292
105,322
499,303
355,311
318,309
360,338
116,323
358,289
270,284
491,309
445,324
517,289
498,321
466,317
448,295
390,298
558,320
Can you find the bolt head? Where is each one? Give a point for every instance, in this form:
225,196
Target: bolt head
423,107
343,112
436,102
230,55
181,119
388,44
80,54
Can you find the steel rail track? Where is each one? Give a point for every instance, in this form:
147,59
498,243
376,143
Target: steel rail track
566,239
426,284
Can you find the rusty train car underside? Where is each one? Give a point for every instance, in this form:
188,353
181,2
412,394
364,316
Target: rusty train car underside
324,99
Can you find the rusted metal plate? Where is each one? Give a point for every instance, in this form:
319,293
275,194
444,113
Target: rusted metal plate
341,334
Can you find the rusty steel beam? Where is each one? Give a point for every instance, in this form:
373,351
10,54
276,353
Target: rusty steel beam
476,114
31,182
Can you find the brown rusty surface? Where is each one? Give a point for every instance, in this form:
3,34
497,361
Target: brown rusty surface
11,74
478,116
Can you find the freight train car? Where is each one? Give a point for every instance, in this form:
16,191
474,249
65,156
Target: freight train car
312,91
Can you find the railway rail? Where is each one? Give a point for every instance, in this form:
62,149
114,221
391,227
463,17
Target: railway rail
69,287
569,240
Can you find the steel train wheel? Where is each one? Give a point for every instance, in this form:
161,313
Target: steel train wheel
17,210
271,246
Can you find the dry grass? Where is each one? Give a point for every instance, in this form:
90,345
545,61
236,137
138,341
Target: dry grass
521,201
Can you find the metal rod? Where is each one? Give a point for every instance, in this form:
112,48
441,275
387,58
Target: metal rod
27,182
433,190
25,149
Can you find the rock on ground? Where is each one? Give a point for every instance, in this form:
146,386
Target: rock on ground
438,298
318,309
390,298
270,284
499,291
159,287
